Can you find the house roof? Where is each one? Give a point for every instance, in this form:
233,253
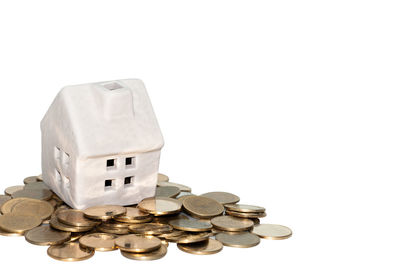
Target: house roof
109,118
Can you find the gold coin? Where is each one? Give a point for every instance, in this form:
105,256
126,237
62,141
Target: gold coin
114,224
39,177
211,246
230,223
75,218
69,252
30,179
188,238
172,235
4,199
167,191
115,231
167,218
138,244
10,190
222,197
216,231
160,206
164,243
184,194
133,215
98,241
190,225
150,229
36,185
255,220
246,214
61,208
44,235
105,212
153,255
39,208
182,198
40,194
56,224
76,236
18,223
171,184
244,208
272,231
238,240
9,205
141,221
53,202
202,207
162,178
57,198
5,233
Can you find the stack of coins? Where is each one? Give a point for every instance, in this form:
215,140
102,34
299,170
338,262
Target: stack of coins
197,224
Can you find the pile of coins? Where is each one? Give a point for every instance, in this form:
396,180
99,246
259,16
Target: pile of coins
198,224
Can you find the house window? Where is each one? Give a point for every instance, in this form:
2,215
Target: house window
111,164
109,184
128,180
130,162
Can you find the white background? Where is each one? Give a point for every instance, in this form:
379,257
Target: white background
292,105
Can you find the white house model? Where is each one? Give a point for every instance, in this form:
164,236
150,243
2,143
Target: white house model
101,144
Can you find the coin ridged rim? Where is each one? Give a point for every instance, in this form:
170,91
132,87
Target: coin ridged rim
191,248
149,243
62,236
230,239
259,230
89,252
231,223
83,243
154,255
190,225
189,205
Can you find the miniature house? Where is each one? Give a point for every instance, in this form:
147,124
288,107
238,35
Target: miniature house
101,144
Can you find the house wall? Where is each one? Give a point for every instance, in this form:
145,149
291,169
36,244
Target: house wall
91,174
58,157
